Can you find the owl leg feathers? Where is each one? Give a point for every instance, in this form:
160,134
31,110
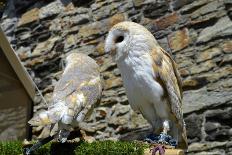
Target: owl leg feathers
164,135
63,135
164,140
166,127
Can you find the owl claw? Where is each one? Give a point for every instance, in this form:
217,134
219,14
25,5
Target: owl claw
63,136
163,139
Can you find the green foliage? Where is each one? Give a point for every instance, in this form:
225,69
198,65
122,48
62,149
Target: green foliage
10,148
16,148
81,148
110,148
44,150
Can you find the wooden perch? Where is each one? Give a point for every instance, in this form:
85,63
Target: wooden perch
141,133
167,152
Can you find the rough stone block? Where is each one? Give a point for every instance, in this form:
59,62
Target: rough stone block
189,8
203,67
71,40
105,9
117,18
222,28
45,46
179,3
179,39
201,99
194,83
166,21
112,83
91,30
28,17
197,147
227,47
193,126
51,9
206,9
76,20
155,9
208,54
138,3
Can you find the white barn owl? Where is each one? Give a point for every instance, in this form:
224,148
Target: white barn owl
150,77
74,97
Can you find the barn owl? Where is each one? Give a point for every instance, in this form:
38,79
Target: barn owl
150,77
74,97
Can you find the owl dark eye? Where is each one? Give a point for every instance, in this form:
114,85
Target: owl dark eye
119,39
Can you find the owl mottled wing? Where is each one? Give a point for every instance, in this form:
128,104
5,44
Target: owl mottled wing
74,97
168,76
79,87
74,77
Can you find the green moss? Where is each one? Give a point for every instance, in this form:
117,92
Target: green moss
81,148
8,148
110,148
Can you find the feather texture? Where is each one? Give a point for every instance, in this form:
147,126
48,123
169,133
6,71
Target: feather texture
168,76
74,96
150,77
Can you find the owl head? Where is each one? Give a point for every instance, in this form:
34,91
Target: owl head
128,39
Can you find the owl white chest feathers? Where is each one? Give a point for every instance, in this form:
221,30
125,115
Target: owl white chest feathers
143,92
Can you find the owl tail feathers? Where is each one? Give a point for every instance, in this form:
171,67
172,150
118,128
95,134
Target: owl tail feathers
49,117
43,119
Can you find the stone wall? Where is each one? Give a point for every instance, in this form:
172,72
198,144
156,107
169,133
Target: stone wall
196,32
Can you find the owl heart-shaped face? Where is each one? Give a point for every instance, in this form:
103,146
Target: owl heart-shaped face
128,38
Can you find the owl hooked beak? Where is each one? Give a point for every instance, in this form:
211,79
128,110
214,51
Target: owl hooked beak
110,45
113,41
111,50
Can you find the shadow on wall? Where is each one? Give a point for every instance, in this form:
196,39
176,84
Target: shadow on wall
2,7
16,95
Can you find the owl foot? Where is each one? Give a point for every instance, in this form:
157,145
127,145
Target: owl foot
163,139
63,136
152,138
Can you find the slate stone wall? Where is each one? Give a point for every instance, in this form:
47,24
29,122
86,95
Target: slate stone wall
196,32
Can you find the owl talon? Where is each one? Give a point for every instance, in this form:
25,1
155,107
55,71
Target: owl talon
163,139
63,136
166,140
152,138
